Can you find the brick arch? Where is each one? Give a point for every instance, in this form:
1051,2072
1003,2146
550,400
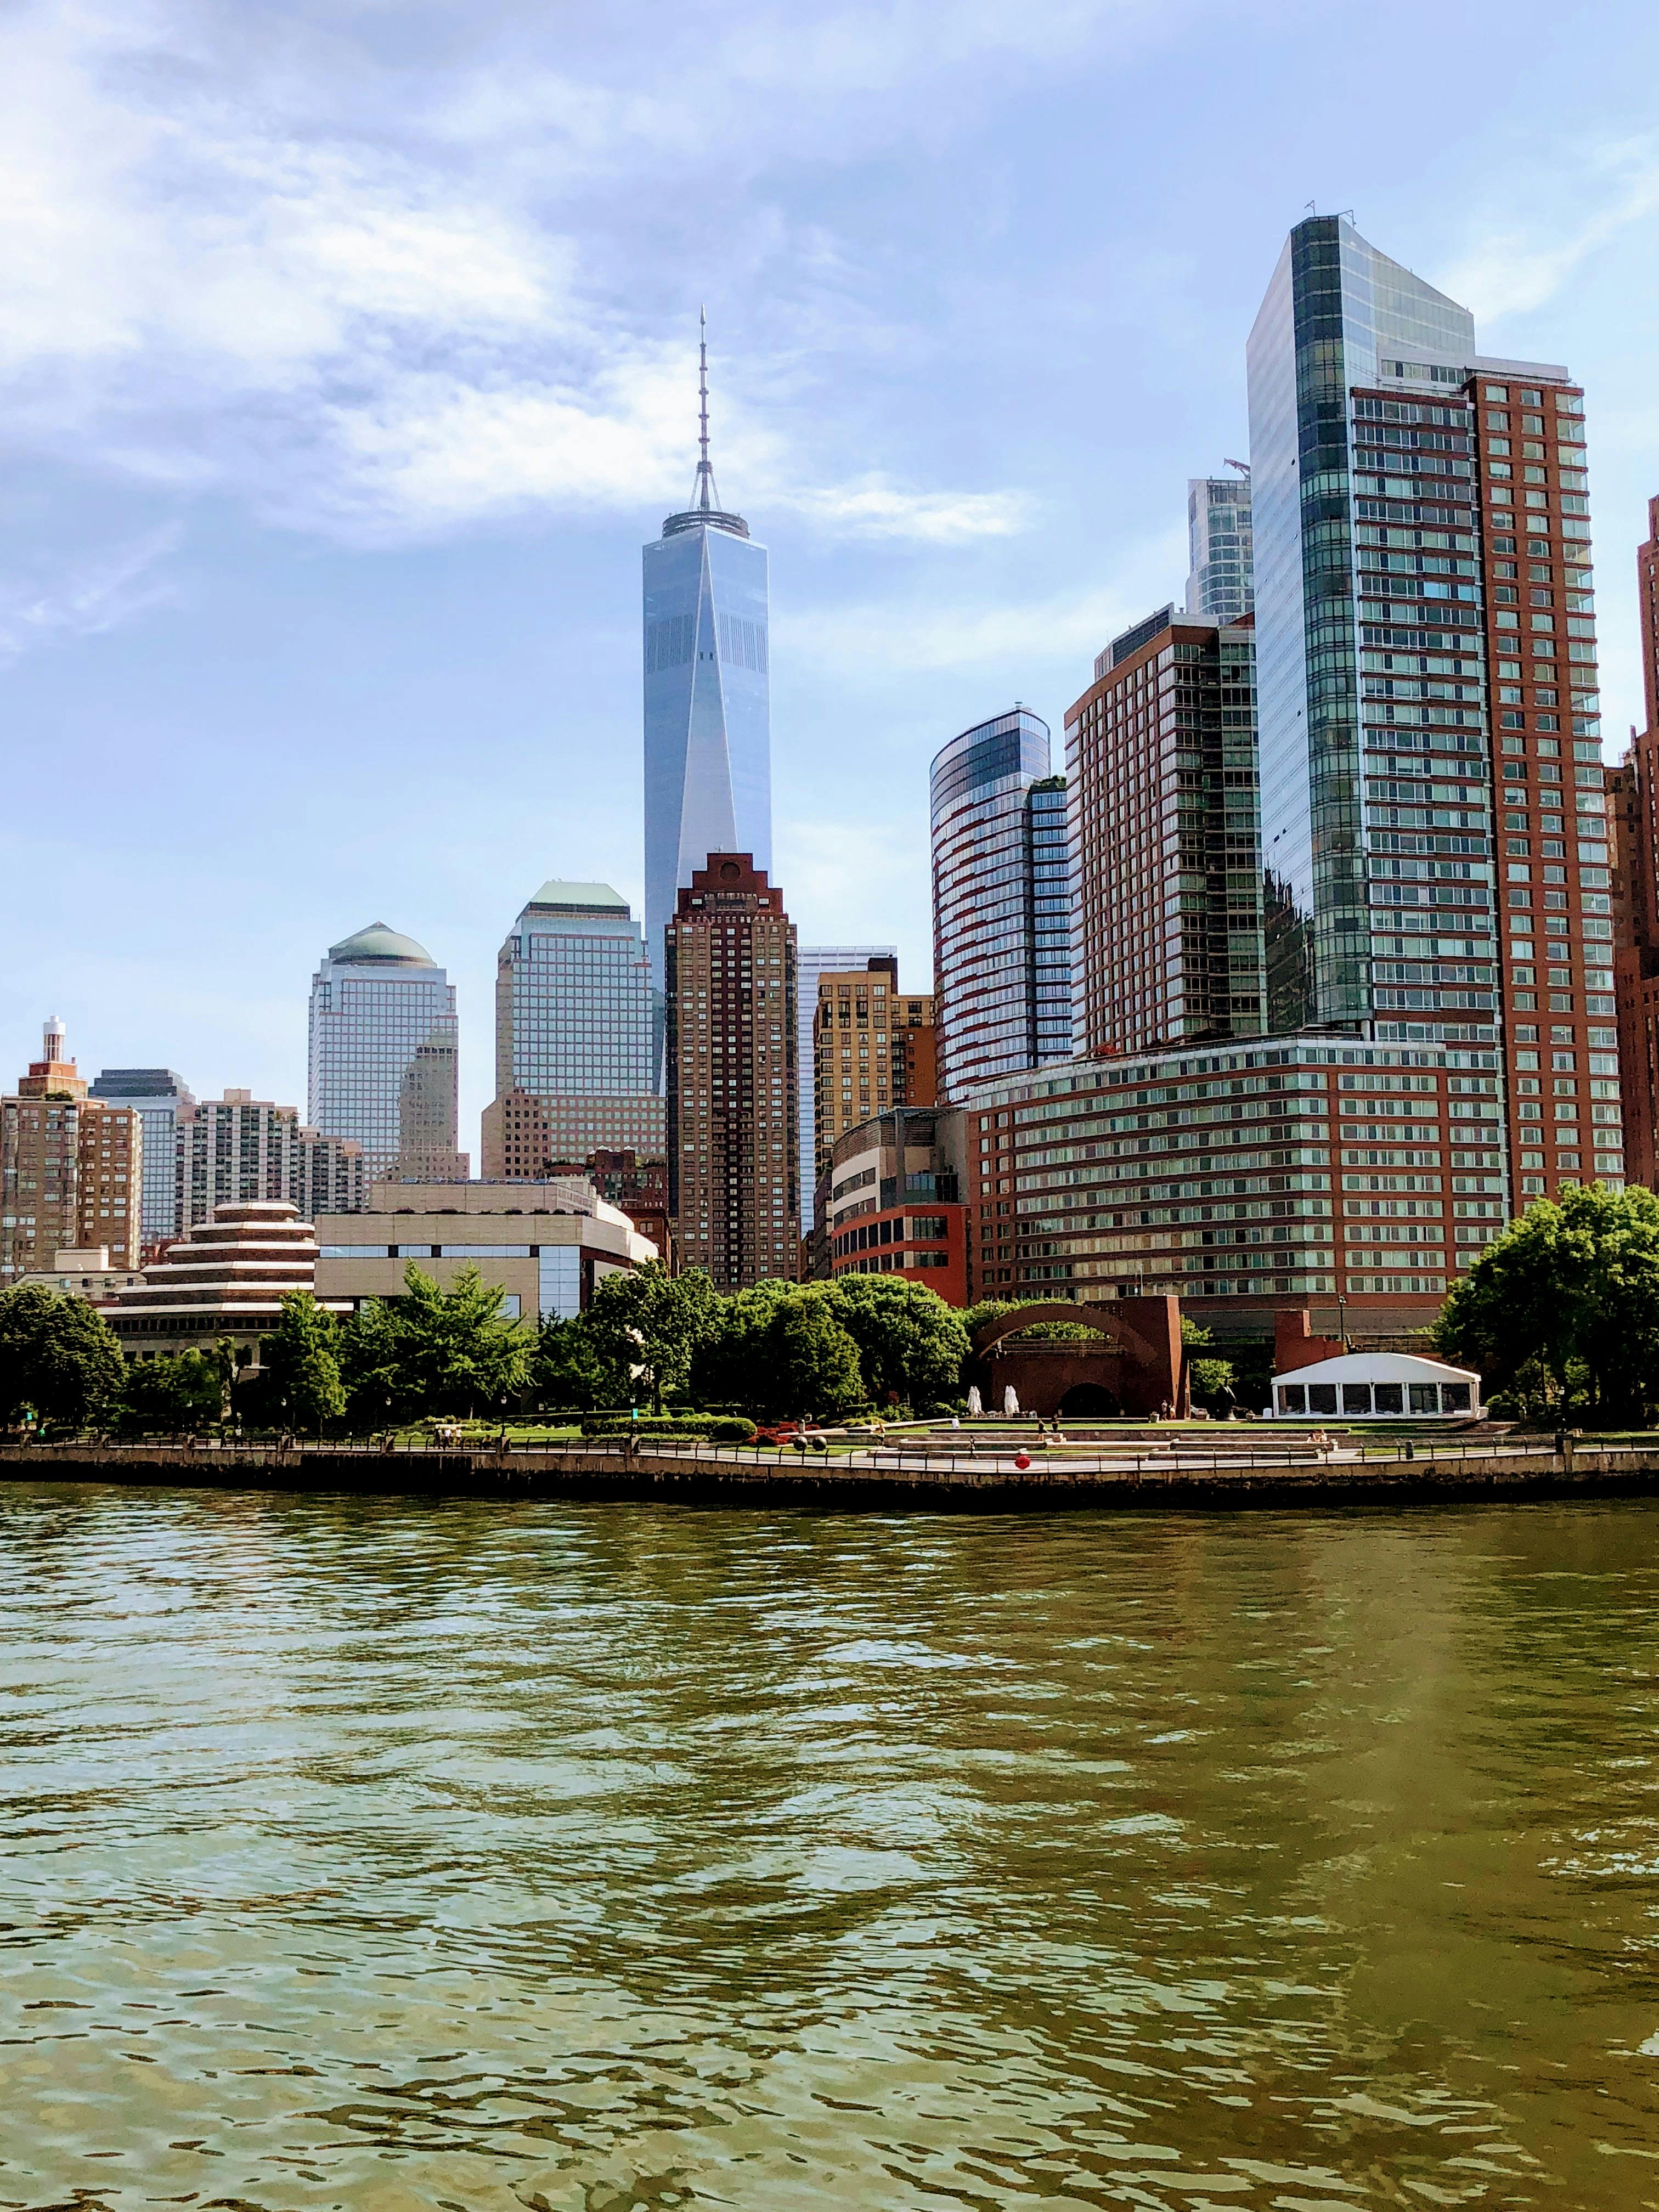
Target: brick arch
1139,1357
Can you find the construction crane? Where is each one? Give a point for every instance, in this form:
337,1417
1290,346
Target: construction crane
1244,467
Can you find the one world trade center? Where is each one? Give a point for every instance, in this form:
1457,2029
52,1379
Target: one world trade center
707,710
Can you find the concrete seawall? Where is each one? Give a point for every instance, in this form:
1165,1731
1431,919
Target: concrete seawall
937,1481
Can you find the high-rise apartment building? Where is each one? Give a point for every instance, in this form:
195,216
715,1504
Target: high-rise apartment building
1633,815
238,1149
383,1055
1001,909
572,1035
813,960
158,1097
1165,840
707,697
72,1169
731,1058
1425,660
871,1048
1221,583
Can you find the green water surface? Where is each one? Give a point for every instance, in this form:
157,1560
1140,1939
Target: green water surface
385,1856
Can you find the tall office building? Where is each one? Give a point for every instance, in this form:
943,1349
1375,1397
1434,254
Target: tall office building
1221,581
72,1169
1166,842
1424,619
813,960
1001,911
572,1035
160,1098
383,1055
731,1052
708,712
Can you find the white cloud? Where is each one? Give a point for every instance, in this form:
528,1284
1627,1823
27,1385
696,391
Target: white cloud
363,311
48,609
1519,262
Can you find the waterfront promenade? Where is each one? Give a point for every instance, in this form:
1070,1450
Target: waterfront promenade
1180,1468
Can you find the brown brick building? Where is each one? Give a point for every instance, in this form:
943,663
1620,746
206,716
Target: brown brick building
872,1048
1633,788
732,1111
72,1169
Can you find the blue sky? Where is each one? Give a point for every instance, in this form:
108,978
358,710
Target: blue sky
348,357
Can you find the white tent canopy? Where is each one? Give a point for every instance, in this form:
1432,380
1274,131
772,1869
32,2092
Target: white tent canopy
1376,1385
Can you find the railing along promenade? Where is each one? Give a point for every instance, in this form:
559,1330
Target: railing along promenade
1256,1466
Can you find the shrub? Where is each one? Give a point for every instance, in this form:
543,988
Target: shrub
715,1428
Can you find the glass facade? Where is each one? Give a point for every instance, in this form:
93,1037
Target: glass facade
159,1099
1338,316
1221,583
572,997
708,711
382,1048
990,835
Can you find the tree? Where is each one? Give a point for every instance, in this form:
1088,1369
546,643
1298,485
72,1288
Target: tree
57,1355
728,1360
569,1370
1563,1308
179,1392
911,1344
434,1351
647,1322
812,1361
1210,1380
301,1364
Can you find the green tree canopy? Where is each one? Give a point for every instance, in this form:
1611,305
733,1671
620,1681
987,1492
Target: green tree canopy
648,1323
1209,1378
435,1350
59,1357
911,1344
569,1370
1563,1308
728,1358
301,1364
181,1392
811,1363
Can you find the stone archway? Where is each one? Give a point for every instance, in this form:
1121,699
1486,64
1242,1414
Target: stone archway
1089,1401
1137,1361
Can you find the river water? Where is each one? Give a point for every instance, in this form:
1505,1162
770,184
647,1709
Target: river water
382,1855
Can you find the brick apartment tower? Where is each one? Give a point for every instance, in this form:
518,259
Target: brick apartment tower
1635,787
732,1109
72,1169
872,1048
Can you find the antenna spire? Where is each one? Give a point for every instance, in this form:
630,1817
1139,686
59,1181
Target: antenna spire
705,484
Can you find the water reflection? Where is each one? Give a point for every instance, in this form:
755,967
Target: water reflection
583,1858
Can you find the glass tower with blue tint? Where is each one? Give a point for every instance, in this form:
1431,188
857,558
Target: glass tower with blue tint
383,1054
1001,908
707,699
160,1100
1339,318
572,997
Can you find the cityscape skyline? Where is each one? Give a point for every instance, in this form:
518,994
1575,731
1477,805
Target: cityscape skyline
970,455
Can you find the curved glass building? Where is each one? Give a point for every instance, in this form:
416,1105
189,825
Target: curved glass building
1001,909
383,1052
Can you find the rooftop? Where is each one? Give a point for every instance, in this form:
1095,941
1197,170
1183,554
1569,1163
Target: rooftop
581,897
379,942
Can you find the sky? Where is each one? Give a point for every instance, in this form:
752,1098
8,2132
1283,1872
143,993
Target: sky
348,358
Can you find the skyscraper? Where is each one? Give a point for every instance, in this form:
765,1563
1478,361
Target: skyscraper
1221,581
707,713
1424,592
383,1055
1633,787
1001,913
572,1035
239,1148
731,1054
1166,846
813,960
160,1100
